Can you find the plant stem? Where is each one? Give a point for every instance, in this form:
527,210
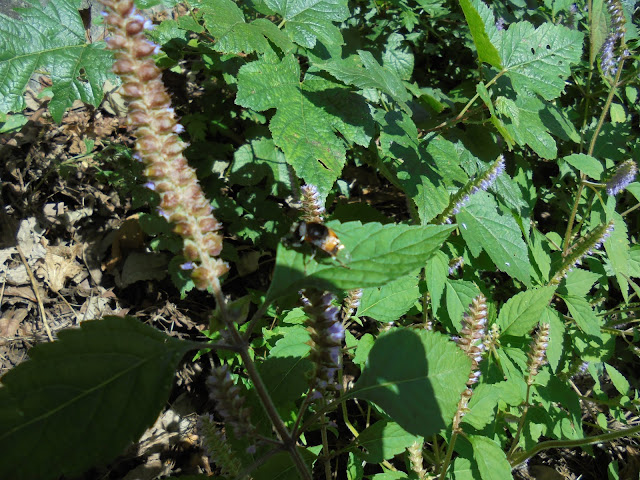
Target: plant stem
592,146
265,399
325,448
459,116
606,437
516,438
447,458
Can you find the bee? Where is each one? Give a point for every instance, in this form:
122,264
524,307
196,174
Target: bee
321,237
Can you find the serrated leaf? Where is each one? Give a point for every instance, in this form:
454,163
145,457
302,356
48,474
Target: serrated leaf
389,302
81,400
482,404
398,56
436,273
618,380
617,248
556,336
363,71
474,12
583,314
432,369
383,440
417,171
294,343
498,235
529,129
226,22
51,38
578,282
460,294
378,254
491,460
309,20
539,59
522,312
364,347
425,170
305,123
586,164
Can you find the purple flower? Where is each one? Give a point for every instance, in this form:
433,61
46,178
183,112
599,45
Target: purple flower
623,176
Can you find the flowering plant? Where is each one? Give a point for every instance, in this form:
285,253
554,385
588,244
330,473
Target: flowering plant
388,343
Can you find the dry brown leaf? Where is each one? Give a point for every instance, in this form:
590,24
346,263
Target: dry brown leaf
59,265
29,238
12,293
11,272
10,322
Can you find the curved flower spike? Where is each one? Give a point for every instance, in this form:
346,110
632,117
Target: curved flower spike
158,146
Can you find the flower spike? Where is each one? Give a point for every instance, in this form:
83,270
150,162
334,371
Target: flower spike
158,146
538,353
623,176
327,336
481,182
585,246
312,207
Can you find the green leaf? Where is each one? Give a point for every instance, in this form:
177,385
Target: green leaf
286,378
540,251
398,57
51,39
523,311
81,400
583,314
474,12
618,380
539,59
436,273
579,282
258,159
483,403
491,459
308,114
309,20
432,369
363,71
389,302
417,169
598,30
383,440
378,254
586,164
362,350
355,469
225,21
463,470
294,342
528,127
460,294
556,336
617,248
498,235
